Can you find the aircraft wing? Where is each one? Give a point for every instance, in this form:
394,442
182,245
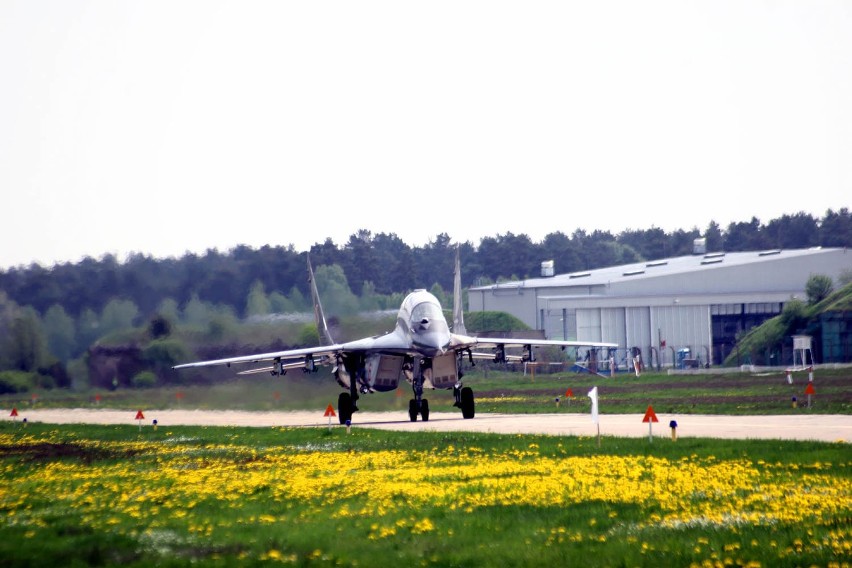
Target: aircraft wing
389,343
497,346
306,357
287,355
521,342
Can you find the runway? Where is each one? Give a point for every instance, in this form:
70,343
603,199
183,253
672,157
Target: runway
805,426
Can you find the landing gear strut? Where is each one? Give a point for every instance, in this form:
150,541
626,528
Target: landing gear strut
418,404
346,400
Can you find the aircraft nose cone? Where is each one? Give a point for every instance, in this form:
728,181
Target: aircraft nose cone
433,343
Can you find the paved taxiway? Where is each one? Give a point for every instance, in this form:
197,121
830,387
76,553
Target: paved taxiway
803,426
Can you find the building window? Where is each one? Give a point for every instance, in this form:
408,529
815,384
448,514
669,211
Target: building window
726,309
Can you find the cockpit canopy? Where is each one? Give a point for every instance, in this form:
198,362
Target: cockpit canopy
421,313
424,314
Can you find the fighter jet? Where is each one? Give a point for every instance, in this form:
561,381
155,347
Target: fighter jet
422,349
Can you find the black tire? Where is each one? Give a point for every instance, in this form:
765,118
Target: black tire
424,410
467,404
412,410
344,407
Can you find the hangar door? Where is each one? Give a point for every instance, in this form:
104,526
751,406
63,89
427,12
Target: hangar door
601,324
684,327
560,324
639,332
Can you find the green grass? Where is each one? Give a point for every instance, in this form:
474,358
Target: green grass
181,496
503,392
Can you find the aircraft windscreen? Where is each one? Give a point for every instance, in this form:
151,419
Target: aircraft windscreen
424,314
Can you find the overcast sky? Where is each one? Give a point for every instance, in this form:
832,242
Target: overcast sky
170,126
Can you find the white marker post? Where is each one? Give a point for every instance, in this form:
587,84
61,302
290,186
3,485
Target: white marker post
593,394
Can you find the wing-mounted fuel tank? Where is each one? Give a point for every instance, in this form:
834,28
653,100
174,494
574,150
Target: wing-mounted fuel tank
383,371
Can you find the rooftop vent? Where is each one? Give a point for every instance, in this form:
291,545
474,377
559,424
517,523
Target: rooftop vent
547,268
699,245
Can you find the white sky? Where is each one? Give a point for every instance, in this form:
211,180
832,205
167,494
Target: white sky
170,126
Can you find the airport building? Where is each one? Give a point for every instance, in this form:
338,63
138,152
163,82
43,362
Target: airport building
682,311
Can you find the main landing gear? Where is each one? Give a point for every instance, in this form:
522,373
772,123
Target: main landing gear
345,407
418,374
350,369
464,400
420,406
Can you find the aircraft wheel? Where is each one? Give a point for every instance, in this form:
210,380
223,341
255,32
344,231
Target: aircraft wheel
412,410
344,407
467,404
424,410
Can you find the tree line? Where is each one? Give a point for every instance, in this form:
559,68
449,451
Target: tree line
53,314
383,263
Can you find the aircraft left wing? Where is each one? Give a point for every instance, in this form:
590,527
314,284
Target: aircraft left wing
498,345
521,342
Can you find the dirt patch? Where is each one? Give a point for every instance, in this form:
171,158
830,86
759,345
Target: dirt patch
46,451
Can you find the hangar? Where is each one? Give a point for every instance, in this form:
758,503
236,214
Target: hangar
668,311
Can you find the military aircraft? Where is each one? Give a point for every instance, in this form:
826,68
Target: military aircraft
421,349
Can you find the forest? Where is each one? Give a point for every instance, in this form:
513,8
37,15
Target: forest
51,317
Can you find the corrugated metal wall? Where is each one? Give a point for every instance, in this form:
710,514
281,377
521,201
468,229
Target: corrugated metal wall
612,325
642,327
589,324
639,331
683,326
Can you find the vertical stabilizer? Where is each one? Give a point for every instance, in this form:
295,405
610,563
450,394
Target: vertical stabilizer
319,315
458,315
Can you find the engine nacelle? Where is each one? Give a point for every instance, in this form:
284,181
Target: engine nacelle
444,371
383,372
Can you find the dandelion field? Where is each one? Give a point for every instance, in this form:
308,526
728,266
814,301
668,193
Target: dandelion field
226,496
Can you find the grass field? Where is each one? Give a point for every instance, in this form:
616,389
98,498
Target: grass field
115,495
225,496
729,394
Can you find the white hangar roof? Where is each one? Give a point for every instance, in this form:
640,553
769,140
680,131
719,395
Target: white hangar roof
771,271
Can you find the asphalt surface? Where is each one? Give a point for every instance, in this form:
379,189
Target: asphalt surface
804,426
